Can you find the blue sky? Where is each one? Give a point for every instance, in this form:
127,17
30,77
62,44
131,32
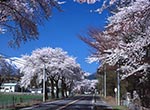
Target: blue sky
61,30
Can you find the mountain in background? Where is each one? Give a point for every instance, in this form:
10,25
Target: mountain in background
10,65
92,76
18,62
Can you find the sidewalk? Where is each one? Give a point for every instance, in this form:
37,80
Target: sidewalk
100,104
112,102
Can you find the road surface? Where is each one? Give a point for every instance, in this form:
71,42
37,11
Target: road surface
82,102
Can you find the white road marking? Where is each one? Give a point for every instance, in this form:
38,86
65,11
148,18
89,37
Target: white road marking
93,103
69,104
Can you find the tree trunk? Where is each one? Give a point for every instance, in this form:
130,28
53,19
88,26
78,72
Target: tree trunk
62,88
70,87
52,88
46,92
57,89
65,89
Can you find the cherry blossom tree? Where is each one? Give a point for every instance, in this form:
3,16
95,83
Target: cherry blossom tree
70,75
125,40
21,18
85,86
112,5
59,67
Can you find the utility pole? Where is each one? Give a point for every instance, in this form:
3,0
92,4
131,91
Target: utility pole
102,85
44,83
118,87
105,81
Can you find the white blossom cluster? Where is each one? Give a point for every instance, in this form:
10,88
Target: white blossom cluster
86,1
85,85
56,63
125,40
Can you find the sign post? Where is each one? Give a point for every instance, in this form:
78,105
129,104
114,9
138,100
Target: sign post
115,90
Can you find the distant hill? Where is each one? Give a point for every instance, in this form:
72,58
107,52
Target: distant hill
18,62
92,76
10,65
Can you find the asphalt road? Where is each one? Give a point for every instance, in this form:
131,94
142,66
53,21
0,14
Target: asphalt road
82,102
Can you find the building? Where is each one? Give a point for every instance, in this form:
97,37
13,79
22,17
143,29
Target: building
36,90
9,87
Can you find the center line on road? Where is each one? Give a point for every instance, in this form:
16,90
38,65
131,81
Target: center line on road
93,102
69,104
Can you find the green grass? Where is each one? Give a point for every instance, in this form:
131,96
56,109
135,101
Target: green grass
13,99
120,108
